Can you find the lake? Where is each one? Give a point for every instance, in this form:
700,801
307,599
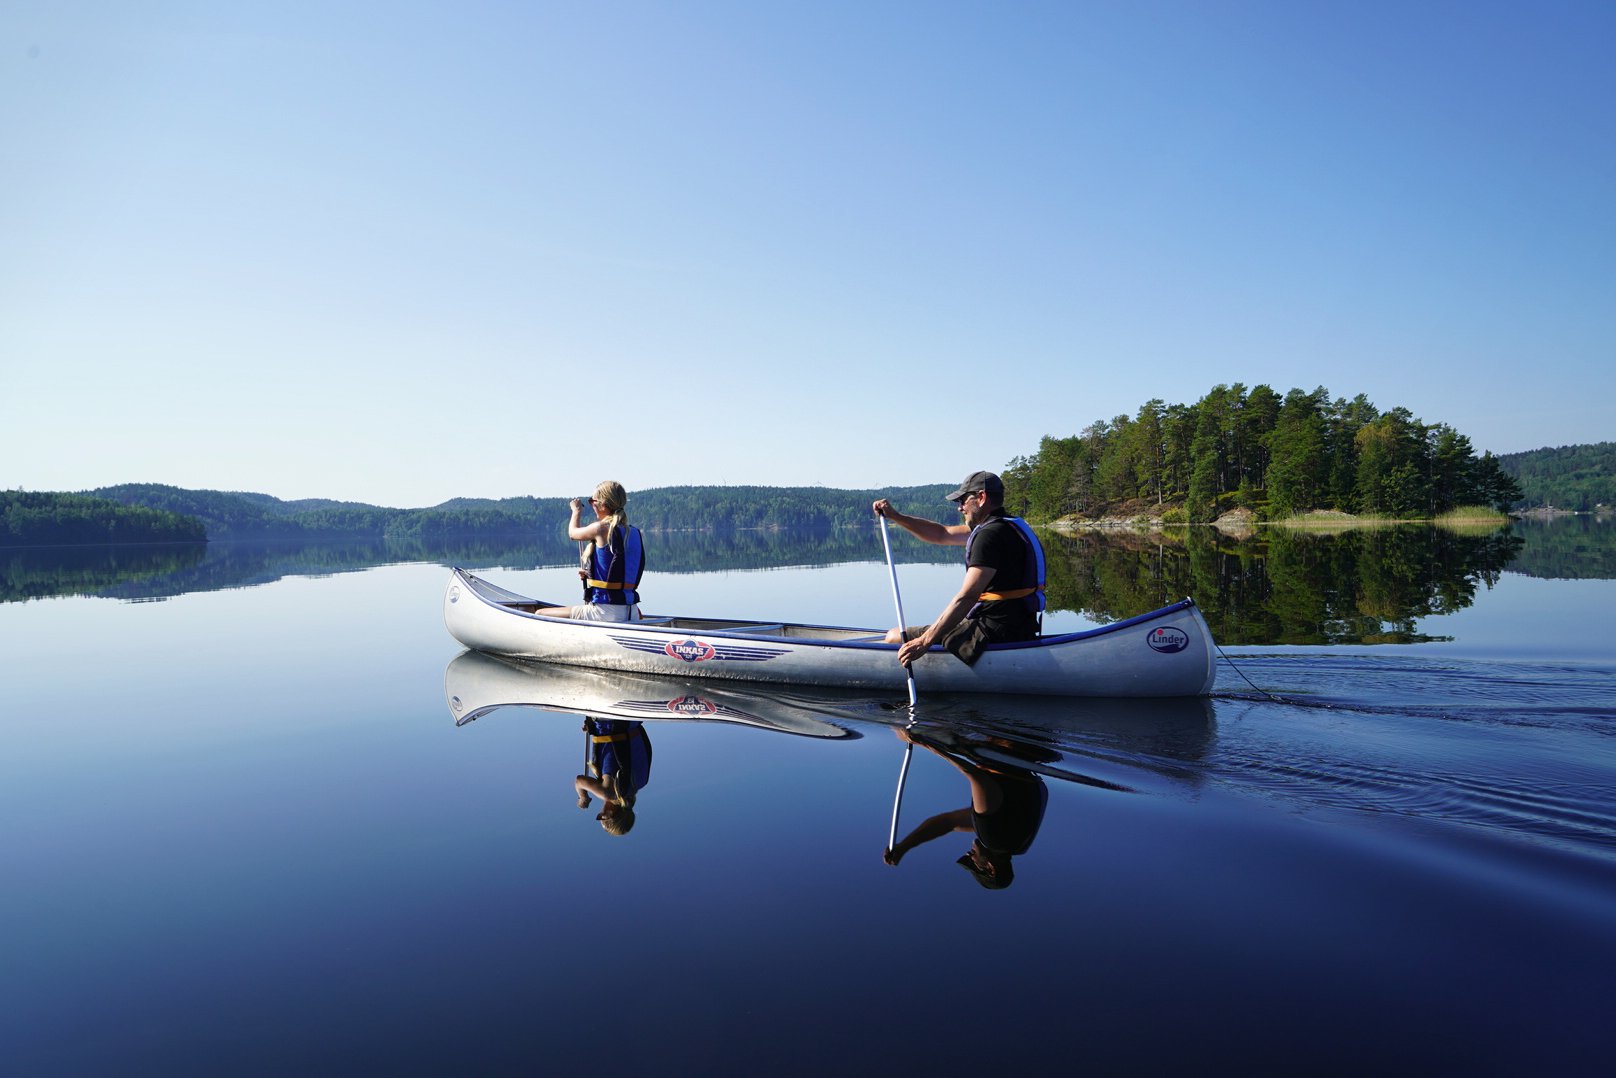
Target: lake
262,815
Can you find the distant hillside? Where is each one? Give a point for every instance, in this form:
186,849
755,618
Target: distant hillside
43,519
236,515
1576,477
246,515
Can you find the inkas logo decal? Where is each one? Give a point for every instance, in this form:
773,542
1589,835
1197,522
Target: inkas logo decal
1168,640
691,651
692,705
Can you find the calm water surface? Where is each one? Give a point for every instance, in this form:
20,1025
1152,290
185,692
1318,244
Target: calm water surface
244,833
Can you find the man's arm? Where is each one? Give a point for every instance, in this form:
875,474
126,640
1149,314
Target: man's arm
935,827
977,578
921,528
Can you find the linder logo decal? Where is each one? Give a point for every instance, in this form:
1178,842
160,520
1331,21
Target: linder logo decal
1168,640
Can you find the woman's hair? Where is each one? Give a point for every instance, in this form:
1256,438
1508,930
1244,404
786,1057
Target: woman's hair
611,495
620,822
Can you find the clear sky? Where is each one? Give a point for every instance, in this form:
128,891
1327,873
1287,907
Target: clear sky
397,253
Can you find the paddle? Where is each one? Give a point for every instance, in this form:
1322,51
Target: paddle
909,748
584,563
897,601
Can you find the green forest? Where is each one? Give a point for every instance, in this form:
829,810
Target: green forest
1256,450
1275,456
64,519
1579,478
170,514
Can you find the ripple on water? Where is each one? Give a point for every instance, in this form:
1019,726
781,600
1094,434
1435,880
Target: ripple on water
1520,749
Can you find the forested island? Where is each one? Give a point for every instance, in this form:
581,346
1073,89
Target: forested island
1274,457
1251,452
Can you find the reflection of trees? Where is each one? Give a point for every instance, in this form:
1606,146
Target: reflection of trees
42,572
160,572
1279,586
1283,586
1567,548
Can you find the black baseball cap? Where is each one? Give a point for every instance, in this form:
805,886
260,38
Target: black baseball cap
979,481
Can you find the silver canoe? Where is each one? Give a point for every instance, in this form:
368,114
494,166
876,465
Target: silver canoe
1167,652
475,684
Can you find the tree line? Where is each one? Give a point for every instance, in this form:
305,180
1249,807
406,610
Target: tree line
1580,478
196,515
74,519
1254,449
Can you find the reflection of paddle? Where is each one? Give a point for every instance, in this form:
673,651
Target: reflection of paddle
909,748
897,799
583,795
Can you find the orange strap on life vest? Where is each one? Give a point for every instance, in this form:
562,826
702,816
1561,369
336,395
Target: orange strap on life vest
1014,593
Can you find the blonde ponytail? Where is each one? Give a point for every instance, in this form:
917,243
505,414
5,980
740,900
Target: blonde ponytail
614,498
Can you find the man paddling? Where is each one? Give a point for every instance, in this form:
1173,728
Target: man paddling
1002,596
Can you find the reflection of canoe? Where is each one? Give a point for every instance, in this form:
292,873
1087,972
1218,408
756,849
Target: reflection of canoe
1164,653
476,684
1155,734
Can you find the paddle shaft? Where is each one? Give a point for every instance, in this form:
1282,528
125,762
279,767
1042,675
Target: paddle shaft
897,601
583,563
909,749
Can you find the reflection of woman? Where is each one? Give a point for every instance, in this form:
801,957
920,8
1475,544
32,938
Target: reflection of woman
613,562
619,767
1006,809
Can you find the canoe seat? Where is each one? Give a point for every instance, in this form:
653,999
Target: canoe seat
770,627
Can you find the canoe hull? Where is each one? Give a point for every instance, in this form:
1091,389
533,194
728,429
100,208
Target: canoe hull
1168,652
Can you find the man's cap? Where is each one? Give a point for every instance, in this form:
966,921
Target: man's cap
979,481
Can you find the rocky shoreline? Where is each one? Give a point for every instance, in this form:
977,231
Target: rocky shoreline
1244,521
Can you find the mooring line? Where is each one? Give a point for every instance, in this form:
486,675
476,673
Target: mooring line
1276,699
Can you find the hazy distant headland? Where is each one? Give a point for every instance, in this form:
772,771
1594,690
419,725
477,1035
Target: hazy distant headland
151,512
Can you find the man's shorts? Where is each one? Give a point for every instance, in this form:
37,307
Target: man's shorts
965,641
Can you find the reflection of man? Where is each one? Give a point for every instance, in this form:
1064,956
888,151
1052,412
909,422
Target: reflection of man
617,768
1003,592
1006,809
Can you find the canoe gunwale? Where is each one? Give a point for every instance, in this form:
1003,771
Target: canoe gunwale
512,602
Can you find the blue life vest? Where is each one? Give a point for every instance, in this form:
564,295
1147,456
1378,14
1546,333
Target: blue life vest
620,755
1032,575
615,569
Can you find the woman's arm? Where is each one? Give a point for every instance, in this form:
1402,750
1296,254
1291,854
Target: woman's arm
597,531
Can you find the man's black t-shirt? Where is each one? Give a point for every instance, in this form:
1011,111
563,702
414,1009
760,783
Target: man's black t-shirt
999,545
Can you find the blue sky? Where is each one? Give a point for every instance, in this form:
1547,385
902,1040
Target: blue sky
399,253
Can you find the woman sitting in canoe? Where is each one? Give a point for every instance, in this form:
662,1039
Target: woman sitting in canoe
613,562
